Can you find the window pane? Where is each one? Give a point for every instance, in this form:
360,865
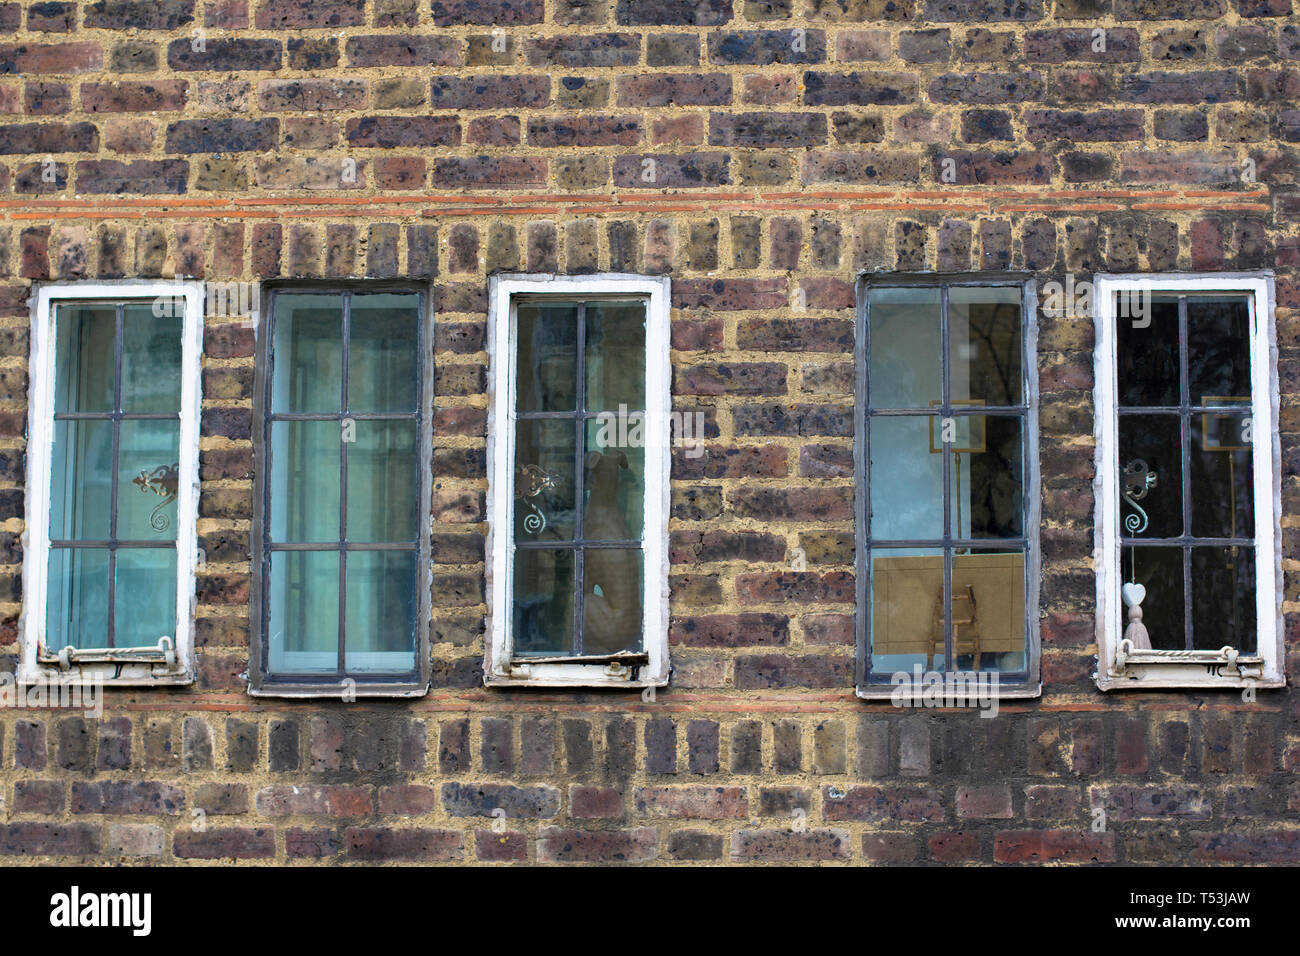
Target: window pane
988,609
984,339
1218,349
382,482
906,477
384,341
303,631
906,347
305,481
84,360
381,603
1223,476
615,355
76,599
308,354
544,482
146,482
81,489
1160,572
1147,354
1151,443
1223,598
906,610
547,357
613,485
144,607
151,360
988,477
543,602
612,600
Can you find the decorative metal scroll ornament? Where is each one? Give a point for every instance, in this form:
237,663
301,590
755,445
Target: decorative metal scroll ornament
531,481
1137,479
162,481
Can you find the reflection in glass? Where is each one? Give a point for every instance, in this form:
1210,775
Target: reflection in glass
144,611
547,356
81,489
984,338
906,347
84,371
615,355
1223,476
303,626
612,600
1218,348
382,478
305,481
988,478
76,599
543,602
1147,352
381,611
308,363
151,360
906,478
383,332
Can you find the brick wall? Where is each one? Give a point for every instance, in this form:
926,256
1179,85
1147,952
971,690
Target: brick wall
795,144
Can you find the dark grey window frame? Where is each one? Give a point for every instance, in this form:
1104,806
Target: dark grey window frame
261,683
1026,683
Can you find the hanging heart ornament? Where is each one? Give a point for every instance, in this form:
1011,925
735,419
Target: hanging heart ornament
1133,594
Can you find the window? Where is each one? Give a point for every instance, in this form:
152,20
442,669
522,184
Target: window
947,512
578,458
341,543
112,484
1188,513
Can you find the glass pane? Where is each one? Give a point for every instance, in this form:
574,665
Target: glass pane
1223,497
544,485
84,363
151,360
1147,354
383,346
546,369
1160,572
1223,598
984,339
144,607
543,602
907,627
1151,444
81,489
303,627
76,599
383,482
308,359
988,477
1218,349
988,609
906,477
613,483
615,355
612,600
906,347
381,604
305,481
146,480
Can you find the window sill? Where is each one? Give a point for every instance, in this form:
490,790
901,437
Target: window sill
338,691
107,675
604,675
1004,692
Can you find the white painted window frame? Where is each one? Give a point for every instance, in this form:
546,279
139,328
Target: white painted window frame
115,667
1145,670
504,291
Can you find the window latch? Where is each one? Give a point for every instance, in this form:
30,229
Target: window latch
164,652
